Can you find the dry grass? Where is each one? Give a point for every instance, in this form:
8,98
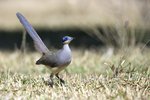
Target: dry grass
92,75
75,13
121,23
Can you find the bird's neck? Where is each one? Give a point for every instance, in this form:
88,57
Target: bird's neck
66,47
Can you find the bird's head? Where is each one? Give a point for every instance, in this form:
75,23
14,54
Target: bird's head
67,39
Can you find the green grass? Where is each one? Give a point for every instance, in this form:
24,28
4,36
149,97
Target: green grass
91,75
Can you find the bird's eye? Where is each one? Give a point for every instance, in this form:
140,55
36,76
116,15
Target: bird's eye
66,38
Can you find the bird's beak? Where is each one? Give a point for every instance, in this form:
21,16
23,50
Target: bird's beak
72,38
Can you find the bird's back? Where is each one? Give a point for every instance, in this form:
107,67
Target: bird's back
48,60
60,58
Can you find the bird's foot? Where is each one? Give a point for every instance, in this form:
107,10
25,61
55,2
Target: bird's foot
62,82
48,82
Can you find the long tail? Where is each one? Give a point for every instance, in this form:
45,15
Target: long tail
39,45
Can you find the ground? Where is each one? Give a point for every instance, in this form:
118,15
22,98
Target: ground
91,75
120,73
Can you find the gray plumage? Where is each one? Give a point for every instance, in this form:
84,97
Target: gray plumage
58,60
39,45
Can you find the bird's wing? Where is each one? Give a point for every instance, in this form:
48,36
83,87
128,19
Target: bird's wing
39,45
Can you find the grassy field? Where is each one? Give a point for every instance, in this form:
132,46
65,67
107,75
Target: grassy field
91,75
53,14
120,71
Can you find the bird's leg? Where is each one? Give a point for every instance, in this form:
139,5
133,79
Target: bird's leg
51,80
61,80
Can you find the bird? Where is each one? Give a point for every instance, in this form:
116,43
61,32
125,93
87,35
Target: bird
56,61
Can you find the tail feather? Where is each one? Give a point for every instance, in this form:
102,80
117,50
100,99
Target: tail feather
39,45
38,62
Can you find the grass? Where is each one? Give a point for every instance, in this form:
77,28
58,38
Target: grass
65,13
91,75
121,73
